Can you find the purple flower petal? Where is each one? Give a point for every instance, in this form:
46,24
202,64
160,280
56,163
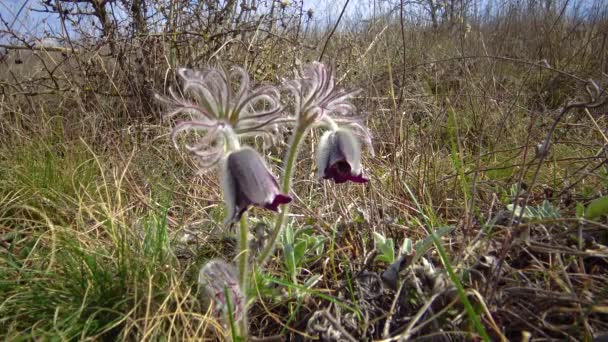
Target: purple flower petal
358,179
340,172
278,200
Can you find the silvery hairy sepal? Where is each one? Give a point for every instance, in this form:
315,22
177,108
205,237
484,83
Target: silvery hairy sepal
223,107
339,157
218,279
246,180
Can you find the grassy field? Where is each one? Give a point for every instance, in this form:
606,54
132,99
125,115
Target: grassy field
104,225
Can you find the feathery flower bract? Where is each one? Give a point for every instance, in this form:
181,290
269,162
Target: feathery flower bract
316,95
224,107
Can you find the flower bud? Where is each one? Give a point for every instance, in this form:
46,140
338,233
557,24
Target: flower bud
218,278
246,181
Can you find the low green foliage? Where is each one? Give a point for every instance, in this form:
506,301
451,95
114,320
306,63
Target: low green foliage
544,211
596,208
300,247
385,247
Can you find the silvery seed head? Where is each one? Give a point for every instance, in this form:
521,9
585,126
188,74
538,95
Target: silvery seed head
339,157
218,278
224,107
246,180
319,102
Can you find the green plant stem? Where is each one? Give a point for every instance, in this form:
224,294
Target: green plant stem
292,155
233,330
461,293
243,245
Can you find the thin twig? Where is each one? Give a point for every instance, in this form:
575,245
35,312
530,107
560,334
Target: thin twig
333,30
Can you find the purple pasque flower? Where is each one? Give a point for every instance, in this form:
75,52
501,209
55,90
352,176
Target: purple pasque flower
339,157
218,278
246,181
224,107
319,102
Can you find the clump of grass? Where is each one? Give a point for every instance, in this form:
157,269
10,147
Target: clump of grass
75,263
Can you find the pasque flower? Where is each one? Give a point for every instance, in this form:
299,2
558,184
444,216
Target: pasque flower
246,181
318,102
339,157
224,107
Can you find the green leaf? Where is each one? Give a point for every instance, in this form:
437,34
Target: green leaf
317,244
597,208
304,232
298,251
422,246
544,211
290,261
407,247
513,190
549,210
289,234
580,210
379,239
319,294
389,250
517,210
310,282
385,247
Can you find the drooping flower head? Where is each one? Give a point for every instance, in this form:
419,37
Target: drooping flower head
218,279
339,157
318,102
224,107
246,181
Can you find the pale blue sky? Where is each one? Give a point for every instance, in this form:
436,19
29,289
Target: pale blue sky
325,12
36,23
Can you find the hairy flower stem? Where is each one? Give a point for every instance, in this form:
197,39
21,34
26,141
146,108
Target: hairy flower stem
242,262
292,154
